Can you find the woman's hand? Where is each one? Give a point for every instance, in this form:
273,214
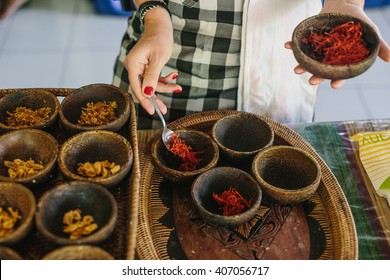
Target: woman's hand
147,58
353,8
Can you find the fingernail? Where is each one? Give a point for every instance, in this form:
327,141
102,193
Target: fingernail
174,77
148,90
177,91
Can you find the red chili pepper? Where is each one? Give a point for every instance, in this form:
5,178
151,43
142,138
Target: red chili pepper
231,202
185,153
342,44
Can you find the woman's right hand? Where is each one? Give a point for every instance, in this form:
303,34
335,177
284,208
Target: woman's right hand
147,58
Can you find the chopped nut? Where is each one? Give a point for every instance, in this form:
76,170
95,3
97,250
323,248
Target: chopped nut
99,113
23,116
98,169
8,219
22,169
78,226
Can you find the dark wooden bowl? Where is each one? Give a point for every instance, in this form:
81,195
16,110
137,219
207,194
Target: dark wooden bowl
31,100
71,107
9,254
91,198
28,144
217,180
92,146
168,165
287,174
334,72
79,252
241,136
22,199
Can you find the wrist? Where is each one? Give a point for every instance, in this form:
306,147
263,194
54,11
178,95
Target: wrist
153,9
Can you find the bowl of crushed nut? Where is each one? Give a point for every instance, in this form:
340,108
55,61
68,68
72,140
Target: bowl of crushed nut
27,156
24,109
99,156
95,107
76,212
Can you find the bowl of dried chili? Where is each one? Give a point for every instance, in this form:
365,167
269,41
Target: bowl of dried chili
286,174
95,107
28,109
192,153
226,196
335,46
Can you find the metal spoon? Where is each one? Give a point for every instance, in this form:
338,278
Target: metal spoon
167,133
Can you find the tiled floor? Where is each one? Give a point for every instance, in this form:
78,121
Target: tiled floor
56,43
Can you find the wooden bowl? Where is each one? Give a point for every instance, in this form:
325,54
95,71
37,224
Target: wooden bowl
326,71
72,105
168,165
22,199
241,136
9,254
31,100
287,174
79,252
93,146
91,198
26,144
216,181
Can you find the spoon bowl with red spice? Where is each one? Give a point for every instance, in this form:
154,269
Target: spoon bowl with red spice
335,46
192,152
226,196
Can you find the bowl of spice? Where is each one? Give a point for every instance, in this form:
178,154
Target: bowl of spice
28,109
27,156
17,210
287,174
335,46
226,196
78,252
95,107
76,212
192,153
99,156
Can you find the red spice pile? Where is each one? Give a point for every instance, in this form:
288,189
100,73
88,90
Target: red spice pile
231,202
189,158
342,44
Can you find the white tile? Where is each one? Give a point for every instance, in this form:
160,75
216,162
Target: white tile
87,67
30,70
39,30
377,100
98,32
338,105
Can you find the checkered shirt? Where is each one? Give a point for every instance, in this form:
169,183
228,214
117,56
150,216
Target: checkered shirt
206,54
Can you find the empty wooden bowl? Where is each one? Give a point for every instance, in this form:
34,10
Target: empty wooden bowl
91,198
79,252
218,180
73,104
241,136
20,199
287,174
31,100
335,72
168,165
26,144
96,146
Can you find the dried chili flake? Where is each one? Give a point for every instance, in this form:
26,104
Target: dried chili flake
342,44
189,158
231,202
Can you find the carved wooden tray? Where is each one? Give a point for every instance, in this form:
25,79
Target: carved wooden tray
170,228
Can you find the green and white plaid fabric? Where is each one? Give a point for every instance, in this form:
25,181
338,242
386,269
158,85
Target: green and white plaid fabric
206,55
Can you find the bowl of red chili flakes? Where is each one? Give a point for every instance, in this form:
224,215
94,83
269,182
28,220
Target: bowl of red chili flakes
95,107
193,152
28,109
335,46
226,196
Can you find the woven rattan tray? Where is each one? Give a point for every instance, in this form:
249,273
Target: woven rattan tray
121,244
169,228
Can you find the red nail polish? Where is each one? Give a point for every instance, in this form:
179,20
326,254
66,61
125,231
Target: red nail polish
177,91
174,77
148,90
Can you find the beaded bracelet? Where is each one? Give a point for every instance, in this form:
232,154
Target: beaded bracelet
149,5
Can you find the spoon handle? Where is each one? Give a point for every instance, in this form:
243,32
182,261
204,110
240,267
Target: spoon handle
157,110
